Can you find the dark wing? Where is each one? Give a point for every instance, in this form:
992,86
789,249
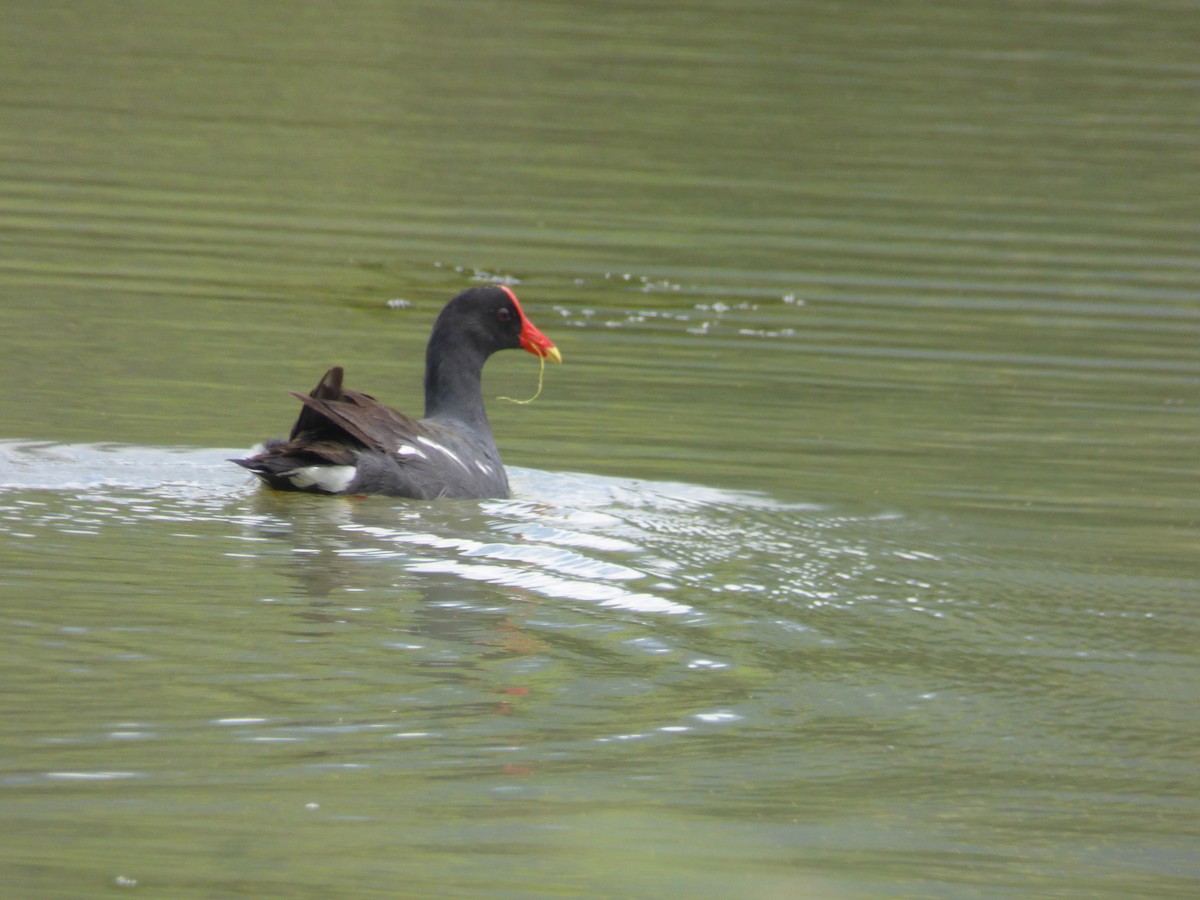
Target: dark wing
387,452
333,428
351,417
328,388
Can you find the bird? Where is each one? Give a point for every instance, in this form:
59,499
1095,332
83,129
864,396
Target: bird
346,442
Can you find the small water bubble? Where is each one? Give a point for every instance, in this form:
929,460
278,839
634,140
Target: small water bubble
719,716
707,664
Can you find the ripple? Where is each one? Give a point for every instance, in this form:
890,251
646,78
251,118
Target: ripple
641,546
554,586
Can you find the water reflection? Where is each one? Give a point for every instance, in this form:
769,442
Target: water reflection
637,588
590,624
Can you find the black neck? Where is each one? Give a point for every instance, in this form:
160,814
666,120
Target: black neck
454,382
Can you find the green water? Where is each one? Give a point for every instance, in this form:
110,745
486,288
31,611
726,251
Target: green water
853,550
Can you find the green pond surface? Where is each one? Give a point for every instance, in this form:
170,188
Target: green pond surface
854,550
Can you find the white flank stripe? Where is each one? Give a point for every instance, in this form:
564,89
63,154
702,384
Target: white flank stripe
327,478
485,469
429,442
410,450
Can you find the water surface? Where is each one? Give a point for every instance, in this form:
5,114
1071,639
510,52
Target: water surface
851,553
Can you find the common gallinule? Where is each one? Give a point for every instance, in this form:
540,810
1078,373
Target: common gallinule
345,442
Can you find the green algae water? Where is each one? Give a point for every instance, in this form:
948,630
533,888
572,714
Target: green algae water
853,549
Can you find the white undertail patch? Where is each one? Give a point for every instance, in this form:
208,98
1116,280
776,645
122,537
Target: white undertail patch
333,479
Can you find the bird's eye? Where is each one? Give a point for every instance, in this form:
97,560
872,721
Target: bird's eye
504,314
